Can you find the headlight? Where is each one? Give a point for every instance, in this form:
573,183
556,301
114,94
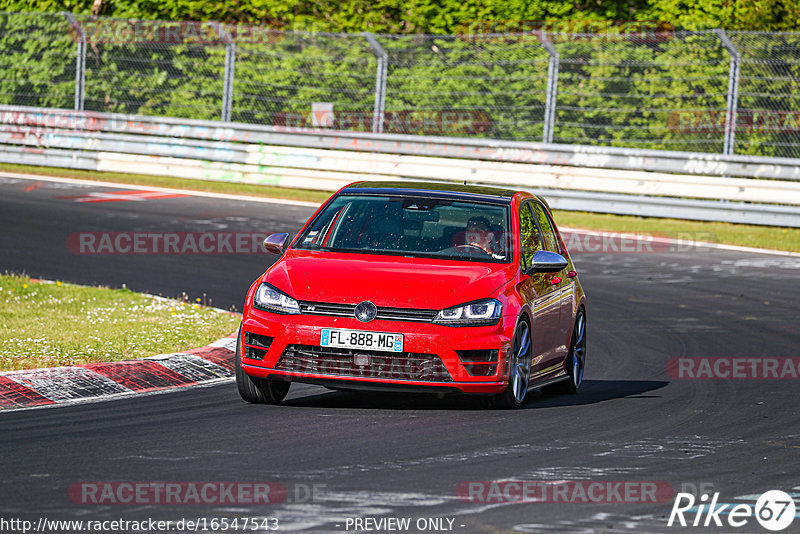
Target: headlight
482,312
270,299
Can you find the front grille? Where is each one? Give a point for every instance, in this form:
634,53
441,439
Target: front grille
406,314
342,362
325,308
384,313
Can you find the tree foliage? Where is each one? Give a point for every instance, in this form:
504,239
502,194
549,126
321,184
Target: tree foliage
439,16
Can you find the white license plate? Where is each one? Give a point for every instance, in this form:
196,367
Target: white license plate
357,339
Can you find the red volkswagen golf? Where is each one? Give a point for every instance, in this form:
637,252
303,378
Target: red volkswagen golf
417,287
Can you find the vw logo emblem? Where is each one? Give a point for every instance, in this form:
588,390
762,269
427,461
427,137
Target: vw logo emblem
366,311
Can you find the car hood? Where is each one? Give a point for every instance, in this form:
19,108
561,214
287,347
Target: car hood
393,281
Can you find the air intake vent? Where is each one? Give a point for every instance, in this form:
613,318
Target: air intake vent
475,356
254,354
479,362
256,345
257,340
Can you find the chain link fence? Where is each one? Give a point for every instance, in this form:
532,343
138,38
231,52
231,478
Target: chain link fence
280,74
156,73
38,60
768,118
710,91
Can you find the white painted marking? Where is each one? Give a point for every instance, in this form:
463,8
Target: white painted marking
399,465
576,473
667,448
162,189
765,263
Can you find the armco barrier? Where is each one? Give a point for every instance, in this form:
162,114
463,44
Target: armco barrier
599,179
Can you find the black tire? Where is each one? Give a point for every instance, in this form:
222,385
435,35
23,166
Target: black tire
576,358
257,390
519,371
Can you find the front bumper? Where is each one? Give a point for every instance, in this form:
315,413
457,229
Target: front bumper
287,332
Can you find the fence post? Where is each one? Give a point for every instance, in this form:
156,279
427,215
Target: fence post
227,85
729,146
552,88
380,82
80,61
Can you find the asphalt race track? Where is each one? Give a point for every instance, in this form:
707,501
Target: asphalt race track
346,455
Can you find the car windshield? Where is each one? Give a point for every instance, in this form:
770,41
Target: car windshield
411,226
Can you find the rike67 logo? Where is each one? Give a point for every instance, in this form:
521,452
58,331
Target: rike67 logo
774,510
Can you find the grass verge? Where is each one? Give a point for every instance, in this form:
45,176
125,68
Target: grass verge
745,235
53,324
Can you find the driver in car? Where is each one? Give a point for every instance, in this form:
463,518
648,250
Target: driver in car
478,234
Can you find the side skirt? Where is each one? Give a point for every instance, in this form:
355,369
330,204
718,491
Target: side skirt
547,382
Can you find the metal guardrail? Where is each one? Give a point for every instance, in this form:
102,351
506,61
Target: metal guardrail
754,190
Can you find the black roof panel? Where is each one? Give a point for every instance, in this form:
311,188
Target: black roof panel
442,189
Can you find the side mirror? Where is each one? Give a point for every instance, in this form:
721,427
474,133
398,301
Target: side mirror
547,262
276,243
